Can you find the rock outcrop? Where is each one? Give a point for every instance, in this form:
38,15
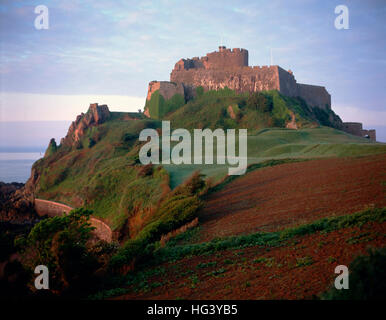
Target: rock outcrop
16,205
96,114
51,149
17,201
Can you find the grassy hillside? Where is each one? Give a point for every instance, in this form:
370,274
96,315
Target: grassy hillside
265,116
262,265
143,203
226,109
104,176
102,171
281,143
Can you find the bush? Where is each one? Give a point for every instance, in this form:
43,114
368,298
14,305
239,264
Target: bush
199,91
61,244
91,142
178,209
192,186
173,213
258,101
367,279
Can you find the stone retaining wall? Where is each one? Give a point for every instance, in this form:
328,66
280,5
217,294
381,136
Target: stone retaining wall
53,209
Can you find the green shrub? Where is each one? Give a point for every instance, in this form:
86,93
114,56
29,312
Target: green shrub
173,213
158,107
194,185
367,279
270,239
179,208
199,91
60,243
259,101
52,148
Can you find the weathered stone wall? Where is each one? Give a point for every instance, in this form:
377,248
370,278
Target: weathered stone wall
163,97
229,68
222,59
53,209
356,129
166,88
102,230
315,96
287,83
371,134
244,79
50,208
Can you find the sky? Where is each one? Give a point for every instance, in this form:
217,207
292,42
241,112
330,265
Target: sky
108,51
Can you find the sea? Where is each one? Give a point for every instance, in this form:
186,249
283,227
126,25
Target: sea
16,166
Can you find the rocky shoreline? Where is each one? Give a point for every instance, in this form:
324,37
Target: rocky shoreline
16,205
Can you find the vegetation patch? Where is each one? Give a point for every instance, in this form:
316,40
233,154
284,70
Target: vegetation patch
270,239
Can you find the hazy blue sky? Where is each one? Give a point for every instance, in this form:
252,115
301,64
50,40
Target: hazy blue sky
108,51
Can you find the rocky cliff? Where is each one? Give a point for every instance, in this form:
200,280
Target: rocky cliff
17,200
16,205
95,115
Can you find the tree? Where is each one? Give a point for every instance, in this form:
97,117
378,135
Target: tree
62,244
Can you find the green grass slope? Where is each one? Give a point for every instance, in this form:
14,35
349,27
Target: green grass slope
104,176
280,143
103,173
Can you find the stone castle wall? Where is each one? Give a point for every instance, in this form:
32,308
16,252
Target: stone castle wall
356,129
166,89
229,68
314,95
241,79
222,59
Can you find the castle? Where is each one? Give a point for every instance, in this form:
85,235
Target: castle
230,68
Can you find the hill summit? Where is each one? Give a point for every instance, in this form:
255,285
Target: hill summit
229,68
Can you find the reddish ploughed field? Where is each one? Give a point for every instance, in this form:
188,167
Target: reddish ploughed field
287,195
301,269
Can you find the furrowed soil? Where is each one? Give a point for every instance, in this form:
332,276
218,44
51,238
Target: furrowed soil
287,195
272,199
303,268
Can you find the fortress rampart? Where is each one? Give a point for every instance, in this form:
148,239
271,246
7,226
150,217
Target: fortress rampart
222,59
229,68
356,129
166,89
53,209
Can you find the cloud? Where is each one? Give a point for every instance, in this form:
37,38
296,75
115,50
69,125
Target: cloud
117,47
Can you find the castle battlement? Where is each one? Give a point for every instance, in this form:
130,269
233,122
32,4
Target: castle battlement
229,68
222,59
